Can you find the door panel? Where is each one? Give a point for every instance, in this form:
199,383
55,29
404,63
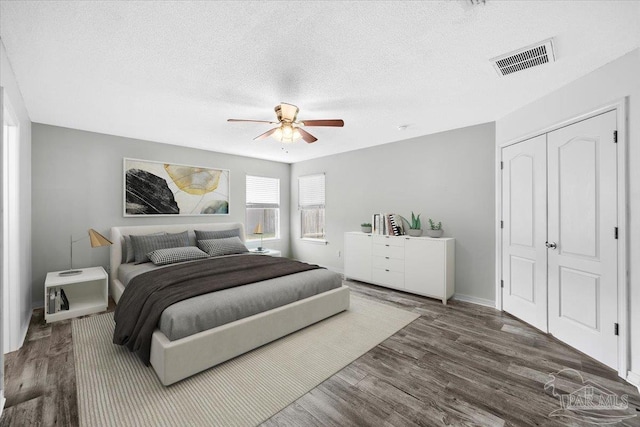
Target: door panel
524,259
577,177
582,214
357,256
424,261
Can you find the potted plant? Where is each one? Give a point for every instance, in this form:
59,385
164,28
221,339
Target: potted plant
434,230
366,227
415,228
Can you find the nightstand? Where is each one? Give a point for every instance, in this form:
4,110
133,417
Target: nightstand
270,252
87,293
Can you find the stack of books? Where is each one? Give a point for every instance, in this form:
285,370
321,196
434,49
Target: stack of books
57,300
387,224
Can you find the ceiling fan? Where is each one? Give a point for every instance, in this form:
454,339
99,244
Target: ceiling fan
289,129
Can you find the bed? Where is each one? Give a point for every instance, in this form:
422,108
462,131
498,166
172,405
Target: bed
182,356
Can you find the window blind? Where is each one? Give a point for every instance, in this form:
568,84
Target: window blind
263,192
311,191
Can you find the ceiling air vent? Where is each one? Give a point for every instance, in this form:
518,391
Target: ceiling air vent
521,59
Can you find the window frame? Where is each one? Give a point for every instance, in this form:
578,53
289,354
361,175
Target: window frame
249,206
323,206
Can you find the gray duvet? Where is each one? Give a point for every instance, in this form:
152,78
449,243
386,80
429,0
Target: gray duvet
208,311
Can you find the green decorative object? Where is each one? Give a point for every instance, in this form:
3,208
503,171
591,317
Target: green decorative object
435,230
415,222
365,227
415,227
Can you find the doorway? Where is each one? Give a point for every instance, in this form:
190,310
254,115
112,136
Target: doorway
559,234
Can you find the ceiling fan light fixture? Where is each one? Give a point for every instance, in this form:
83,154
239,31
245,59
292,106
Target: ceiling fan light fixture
290,129
286,133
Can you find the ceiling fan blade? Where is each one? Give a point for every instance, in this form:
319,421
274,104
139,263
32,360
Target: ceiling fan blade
307,136
328,122
254,121
266,134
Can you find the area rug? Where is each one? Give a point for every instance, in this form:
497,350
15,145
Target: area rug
115,388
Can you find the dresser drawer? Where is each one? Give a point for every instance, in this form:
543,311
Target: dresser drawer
386,277
387,263
395,252
388,240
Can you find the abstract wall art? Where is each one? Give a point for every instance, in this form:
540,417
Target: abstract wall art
156,188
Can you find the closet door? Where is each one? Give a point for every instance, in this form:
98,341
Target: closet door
524,257
582,256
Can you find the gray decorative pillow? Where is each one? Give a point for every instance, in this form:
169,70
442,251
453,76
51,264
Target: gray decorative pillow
127,249
219,234
142,245
173,255
219,247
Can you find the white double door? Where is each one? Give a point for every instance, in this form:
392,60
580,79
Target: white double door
559,248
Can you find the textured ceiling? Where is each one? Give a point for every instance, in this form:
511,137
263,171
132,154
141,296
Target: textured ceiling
173,72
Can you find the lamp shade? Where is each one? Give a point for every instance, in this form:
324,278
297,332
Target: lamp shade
98,239
258,229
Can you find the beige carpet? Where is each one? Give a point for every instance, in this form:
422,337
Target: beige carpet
115,388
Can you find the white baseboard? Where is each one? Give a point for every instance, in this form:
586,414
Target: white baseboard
475,300
634,378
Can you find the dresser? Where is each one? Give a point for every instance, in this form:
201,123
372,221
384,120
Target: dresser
420,265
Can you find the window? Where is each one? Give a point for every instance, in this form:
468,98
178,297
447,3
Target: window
311,205
263,208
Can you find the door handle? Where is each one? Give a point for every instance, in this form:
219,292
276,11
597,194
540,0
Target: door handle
551,245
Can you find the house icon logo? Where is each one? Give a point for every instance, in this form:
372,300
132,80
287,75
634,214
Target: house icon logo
586,401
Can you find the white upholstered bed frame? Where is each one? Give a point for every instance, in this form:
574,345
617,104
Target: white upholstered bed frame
176,360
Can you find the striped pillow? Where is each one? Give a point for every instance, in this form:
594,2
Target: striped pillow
219,247
173,255
142,245
127,249
218,234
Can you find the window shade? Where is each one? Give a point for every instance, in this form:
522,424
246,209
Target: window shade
263,192
311,191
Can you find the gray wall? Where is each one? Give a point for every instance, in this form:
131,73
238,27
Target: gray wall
78,184
447,176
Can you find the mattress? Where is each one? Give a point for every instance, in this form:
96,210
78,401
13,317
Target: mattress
208,311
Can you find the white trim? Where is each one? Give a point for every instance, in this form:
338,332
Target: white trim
474,300
634,378
624,337
2,401
498,234
620,106
315,241
11,251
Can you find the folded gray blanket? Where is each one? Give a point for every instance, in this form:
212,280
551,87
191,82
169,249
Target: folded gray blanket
147,295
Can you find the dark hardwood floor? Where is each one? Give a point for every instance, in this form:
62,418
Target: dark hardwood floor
459,364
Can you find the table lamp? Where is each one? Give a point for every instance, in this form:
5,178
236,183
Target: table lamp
258,230
96,239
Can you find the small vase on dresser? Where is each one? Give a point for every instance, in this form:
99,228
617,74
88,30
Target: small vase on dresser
435,233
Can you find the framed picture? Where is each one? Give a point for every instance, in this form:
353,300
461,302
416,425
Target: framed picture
163,189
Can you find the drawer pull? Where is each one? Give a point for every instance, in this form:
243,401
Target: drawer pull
386,269
386,257
387,245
